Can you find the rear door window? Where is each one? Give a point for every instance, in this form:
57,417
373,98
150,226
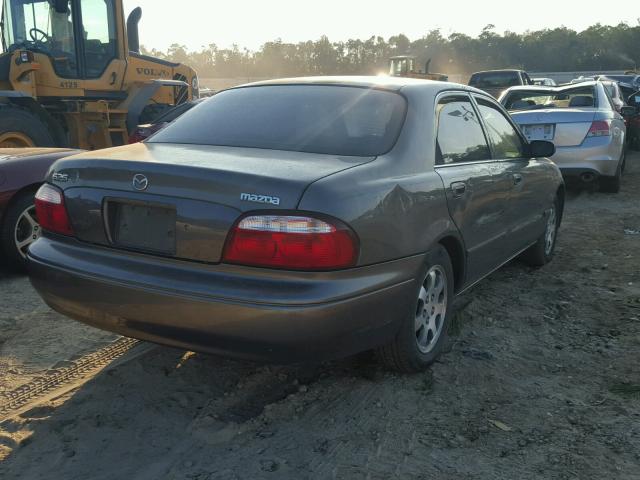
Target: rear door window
495,79
504,138
460,137
99,28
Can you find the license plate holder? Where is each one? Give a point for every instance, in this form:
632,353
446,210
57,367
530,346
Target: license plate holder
144,227
543,131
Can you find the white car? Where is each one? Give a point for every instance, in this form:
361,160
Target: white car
545,82
582,121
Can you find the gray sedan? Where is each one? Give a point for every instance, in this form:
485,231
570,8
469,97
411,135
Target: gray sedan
582,121
299,219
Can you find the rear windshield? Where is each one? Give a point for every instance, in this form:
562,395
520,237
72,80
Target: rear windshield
494,79
581,97
336,120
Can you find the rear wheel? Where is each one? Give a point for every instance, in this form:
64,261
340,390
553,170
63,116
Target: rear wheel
541,252
19,230
20,128
423,333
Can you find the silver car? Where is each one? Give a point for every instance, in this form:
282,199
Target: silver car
582,121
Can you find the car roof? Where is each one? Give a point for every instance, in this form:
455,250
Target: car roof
509,70
381,81
552,88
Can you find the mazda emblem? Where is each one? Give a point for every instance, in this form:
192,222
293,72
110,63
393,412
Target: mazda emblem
140,182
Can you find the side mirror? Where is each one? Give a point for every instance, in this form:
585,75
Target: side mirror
628,111
541,148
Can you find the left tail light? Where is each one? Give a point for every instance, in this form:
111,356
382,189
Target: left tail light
51,211
292,243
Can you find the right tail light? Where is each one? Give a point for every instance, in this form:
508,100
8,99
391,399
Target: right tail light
291,242
599,128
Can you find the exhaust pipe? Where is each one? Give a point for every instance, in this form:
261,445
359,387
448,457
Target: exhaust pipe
132,29
587,177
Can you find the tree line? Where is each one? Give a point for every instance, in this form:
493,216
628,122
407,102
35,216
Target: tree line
599,47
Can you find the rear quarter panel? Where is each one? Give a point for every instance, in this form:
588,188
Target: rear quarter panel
396,204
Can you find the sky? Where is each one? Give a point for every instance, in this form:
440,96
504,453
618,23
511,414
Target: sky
197,23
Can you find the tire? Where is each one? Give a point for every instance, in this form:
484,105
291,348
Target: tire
422,335
541,252
612,184
16,227
21,128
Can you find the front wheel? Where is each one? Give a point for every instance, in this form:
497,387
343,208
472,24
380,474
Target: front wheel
423,333
20,128
19,230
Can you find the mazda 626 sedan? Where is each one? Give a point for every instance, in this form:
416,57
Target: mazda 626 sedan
299,219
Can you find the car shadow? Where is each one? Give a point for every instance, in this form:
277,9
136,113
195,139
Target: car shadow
150,404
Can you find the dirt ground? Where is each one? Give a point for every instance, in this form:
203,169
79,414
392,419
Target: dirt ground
541,381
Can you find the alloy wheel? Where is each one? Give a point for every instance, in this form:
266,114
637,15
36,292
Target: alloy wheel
550,234
27,230
431,309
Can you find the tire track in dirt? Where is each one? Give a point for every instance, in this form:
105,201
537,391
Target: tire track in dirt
57,381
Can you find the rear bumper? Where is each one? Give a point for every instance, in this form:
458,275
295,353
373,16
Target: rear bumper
240,312
596,155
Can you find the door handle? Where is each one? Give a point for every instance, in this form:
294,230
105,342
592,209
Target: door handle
517,179
458,188
114,76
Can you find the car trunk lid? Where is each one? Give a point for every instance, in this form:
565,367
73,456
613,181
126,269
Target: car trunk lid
180,201
567,126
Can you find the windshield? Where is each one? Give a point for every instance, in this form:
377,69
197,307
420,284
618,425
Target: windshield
335,120
581,97
401,66
494,79
35,25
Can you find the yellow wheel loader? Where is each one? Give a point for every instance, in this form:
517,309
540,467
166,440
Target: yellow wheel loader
72,75
404,66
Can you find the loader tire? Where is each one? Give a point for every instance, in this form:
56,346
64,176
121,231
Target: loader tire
20,128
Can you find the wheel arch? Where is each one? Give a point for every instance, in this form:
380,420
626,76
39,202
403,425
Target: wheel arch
33,187
454,246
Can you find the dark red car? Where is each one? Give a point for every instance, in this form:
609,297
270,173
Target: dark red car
22,171
633,122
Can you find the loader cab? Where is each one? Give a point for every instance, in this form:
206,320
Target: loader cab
80,37
401,65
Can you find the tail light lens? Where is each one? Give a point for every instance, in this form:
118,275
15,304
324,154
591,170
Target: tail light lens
291,242
51,212
599,128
